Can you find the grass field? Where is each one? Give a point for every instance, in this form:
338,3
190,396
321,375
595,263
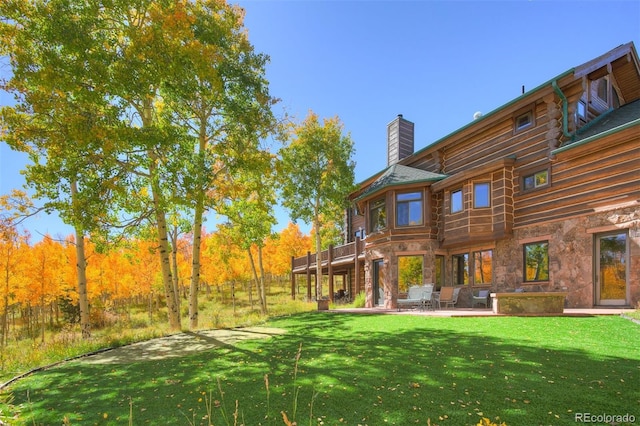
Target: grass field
357,369
24,354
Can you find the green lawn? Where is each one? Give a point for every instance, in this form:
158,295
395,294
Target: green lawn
355,369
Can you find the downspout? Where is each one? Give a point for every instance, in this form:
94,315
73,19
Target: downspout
565,109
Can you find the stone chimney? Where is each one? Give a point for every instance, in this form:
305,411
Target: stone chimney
399,140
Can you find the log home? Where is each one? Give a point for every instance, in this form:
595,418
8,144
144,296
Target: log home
542,193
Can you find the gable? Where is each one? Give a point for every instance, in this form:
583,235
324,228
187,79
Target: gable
622,62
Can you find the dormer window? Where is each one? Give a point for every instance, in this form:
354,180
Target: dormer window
603,89
581,111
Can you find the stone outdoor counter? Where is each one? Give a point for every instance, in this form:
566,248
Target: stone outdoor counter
534,303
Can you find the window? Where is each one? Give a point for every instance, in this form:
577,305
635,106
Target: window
409,272
456,201
581,111
460,268
536,261
536,180
603,89
524,121
481,195
409,209
377,215
482,267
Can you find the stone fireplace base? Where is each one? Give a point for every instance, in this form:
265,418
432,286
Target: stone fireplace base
528,303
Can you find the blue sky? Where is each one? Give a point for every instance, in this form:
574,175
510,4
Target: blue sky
435,62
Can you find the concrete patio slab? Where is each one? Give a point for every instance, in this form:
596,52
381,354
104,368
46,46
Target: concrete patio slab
469,312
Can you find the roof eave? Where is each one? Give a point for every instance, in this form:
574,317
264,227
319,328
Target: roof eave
394,185
495,112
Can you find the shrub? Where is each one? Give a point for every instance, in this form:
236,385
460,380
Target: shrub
359,300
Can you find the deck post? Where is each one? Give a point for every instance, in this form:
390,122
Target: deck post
330,271
356,277
293,280
308,276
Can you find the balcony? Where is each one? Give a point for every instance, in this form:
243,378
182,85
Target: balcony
339,260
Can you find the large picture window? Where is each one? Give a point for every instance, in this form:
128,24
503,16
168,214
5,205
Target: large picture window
409,272
409,209
377,215
536,261
482,267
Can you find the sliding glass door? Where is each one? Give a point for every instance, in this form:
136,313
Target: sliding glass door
612,268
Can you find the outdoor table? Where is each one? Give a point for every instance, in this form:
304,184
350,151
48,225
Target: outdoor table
427,304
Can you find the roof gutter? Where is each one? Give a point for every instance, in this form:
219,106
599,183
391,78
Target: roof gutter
487,116
565,109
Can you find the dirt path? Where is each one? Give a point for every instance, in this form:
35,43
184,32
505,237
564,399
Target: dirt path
180,344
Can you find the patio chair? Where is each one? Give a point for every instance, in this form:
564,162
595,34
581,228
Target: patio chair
456,292
427,297
413,299
444,297
448,296
481,298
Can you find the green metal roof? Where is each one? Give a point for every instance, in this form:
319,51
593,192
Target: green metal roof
495,111
525,95
613,119
398,174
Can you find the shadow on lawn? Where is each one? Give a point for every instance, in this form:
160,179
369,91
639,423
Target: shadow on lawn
356,370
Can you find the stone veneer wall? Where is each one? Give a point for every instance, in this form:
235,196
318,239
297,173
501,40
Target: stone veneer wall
389,252
570,258
571,251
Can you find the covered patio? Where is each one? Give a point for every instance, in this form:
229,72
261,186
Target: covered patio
477,312
345,261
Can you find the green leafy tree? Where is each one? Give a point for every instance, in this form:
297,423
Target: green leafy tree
60,118
219,94
317,176
249,209
91,74
136,103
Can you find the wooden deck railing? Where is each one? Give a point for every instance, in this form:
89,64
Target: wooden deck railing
344,250
337,252
298,262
